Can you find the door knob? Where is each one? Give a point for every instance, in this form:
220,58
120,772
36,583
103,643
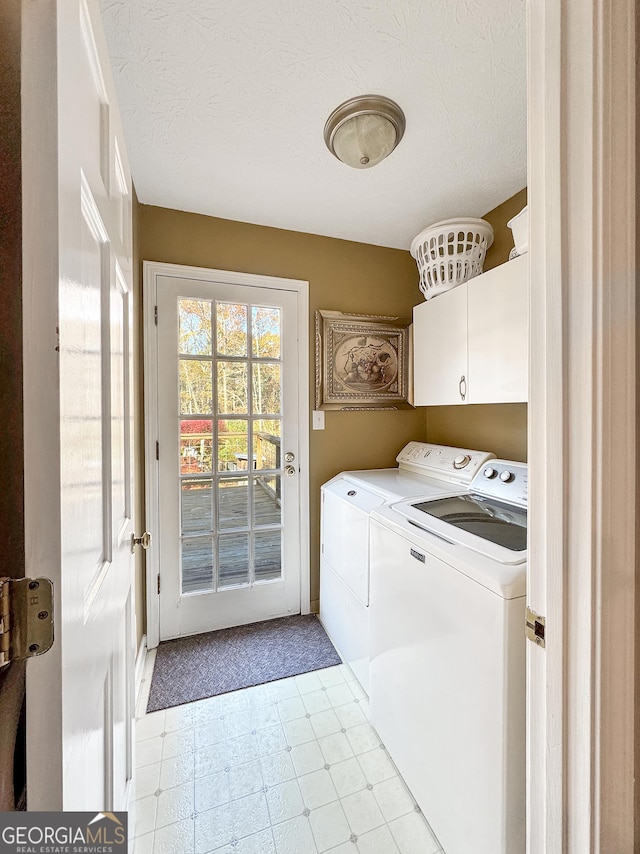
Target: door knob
289,471
144,541
289,457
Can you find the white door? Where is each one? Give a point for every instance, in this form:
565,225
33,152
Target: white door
229,522
77,407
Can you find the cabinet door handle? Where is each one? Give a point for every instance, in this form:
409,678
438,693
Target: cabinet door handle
462,387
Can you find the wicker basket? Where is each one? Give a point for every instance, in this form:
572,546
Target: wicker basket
450,252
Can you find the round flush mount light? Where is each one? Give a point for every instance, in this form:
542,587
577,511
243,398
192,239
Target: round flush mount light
364,130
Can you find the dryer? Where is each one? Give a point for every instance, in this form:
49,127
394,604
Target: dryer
347,500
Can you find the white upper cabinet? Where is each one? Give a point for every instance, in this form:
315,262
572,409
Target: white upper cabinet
498,329
471,344
440,348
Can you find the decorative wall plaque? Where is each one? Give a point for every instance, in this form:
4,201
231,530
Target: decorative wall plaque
362,361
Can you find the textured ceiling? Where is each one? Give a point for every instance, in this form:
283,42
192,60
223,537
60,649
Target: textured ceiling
224,104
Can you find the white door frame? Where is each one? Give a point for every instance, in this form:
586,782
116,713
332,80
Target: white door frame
151,271
582,430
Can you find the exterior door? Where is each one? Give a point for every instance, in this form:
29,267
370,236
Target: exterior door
77,405
229,533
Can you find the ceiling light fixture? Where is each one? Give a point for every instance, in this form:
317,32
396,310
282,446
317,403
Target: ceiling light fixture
364,130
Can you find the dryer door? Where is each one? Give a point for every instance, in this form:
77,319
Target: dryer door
345,533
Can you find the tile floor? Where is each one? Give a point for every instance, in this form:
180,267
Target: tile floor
292,767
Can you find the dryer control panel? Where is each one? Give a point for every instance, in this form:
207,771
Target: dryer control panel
457,465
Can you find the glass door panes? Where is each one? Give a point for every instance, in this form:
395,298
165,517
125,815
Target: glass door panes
230,430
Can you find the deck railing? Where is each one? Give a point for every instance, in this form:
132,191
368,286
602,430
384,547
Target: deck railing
266,452
268,456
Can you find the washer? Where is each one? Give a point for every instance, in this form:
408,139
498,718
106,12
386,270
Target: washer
448,655
347,500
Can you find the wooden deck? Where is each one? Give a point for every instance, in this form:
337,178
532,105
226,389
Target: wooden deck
233,548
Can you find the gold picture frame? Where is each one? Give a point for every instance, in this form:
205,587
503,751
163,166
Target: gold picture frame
362,361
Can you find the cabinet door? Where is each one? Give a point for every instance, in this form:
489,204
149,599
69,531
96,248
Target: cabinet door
498,328
440,348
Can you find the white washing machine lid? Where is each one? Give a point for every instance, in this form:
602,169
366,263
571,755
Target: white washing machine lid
474,557
395,484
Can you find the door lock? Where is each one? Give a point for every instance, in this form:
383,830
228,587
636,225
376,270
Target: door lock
289,457
289,471
144,541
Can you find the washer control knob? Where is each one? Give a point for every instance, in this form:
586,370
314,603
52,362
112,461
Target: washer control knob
506,476
461,461
489,472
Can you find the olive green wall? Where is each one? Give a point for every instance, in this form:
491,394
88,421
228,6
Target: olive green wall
12,727
636,846
501,428
345,276
11,439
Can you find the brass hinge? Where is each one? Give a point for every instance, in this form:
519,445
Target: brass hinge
155,314
158,583
535,627
26,618
157,450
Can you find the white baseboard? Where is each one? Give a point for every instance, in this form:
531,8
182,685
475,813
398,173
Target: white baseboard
140,659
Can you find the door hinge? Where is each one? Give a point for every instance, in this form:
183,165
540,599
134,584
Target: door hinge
155,314
535,626
157,450
158,584
26,618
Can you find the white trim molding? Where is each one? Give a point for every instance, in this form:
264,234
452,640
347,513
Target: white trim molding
151,271
582,443
139,671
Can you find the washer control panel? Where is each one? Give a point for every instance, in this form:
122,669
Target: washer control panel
505,480
459,465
